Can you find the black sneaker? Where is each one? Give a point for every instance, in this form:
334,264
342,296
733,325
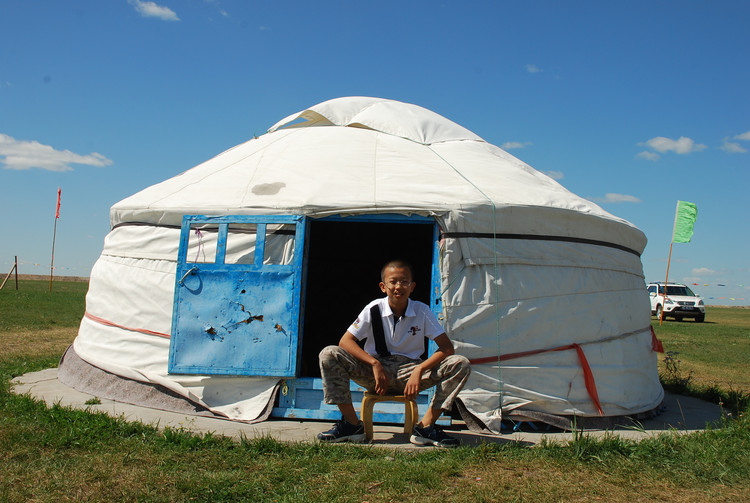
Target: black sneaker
433,435
343,431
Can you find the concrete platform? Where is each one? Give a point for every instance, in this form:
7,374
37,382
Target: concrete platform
680,414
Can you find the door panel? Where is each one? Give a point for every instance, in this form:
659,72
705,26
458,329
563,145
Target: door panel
237,292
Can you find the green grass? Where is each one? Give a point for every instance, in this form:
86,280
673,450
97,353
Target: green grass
34,307
60,454
54,454
711,359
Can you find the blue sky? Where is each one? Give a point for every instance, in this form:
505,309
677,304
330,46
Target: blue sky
631,104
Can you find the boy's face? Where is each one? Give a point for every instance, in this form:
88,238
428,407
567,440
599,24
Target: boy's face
397,285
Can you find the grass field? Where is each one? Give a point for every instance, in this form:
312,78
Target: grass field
717,352
58,454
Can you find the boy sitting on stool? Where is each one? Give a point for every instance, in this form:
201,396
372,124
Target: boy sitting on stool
391,363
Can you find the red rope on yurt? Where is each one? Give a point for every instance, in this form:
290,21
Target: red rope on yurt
588,376
112,324
656,344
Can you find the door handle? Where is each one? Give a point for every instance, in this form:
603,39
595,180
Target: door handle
194,268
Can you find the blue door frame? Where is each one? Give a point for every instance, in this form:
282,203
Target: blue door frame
303,397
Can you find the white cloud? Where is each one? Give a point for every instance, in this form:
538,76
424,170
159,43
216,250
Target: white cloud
733,147
23,155
649,156
533,69
743,136
701,271
555,175
217,5
617,198
683,145
151,9
510,145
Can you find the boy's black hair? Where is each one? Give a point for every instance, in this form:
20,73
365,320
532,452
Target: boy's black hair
397,264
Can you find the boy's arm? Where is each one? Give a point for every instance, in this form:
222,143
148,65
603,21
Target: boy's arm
349,343
444,350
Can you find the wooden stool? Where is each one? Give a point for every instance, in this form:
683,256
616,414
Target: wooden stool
411,412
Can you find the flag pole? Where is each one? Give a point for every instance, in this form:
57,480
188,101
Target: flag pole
669,260
54,236
664,298
52,262
684,219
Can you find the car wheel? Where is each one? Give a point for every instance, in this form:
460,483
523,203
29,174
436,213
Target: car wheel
699,319
658,312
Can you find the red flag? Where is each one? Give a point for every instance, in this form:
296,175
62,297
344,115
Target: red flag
57,212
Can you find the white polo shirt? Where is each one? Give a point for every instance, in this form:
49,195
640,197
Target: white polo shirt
417,323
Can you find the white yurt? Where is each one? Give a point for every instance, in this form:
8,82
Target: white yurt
217,288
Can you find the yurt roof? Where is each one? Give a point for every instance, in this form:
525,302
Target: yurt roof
361,155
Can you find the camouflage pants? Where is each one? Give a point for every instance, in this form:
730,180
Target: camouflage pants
337,367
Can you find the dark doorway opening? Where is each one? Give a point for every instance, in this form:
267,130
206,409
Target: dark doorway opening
343,273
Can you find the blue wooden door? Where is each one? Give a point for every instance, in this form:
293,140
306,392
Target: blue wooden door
237,296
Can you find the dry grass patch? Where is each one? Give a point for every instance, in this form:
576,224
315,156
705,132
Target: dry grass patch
24,343
85,476
563,482
704,374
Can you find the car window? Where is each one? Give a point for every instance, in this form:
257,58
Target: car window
679,290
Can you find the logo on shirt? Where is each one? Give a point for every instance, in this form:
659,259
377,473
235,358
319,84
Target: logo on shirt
356,324
414,330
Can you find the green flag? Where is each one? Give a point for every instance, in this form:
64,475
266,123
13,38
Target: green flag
684,219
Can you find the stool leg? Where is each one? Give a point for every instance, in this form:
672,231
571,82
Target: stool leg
408,419
367,407
412,414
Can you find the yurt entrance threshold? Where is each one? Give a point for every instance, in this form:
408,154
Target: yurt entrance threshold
262,295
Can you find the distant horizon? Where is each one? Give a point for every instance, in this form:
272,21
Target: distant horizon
78,279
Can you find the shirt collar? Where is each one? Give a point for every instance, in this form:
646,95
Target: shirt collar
387,311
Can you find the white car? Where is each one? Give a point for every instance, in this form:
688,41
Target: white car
680,302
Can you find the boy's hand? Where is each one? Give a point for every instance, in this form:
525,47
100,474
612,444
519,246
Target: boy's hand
381,379
412,385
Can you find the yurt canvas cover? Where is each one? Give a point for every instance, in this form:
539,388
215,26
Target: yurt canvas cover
222,284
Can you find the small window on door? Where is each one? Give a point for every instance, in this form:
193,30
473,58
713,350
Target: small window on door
202,244
241,240
279,244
